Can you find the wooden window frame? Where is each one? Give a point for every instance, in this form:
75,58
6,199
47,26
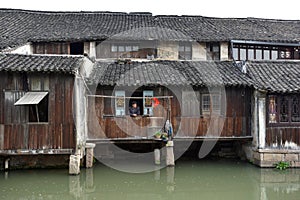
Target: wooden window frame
292,51
212,104
124,54
205,111
211,54
278,98
185,55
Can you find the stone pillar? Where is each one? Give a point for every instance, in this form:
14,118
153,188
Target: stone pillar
170,154
157,156
89,158
254,123
6,164
262,122
74,165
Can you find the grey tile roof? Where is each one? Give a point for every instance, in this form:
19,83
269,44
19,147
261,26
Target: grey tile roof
275,76
196,73
40,63
19,26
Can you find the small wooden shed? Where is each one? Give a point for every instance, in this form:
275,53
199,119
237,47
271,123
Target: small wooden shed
36,104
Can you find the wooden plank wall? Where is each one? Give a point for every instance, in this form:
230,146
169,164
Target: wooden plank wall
58,133
236,123
280,135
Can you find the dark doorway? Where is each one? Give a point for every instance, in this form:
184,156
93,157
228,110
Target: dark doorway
76,48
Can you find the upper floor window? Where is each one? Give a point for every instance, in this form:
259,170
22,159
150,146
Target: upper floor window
211,103
185,51
75,48
259,52
195,103
213,51
134,50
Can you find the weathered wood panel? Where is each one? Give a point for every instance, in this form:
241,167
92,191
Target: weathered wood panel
18,133
278,136
236,122
189,127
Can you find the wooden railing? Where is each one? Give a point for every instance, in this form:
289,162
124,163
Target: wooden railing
145,127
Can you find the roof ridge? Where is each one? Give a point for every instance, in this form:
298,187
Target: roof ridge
143,14
61,12
42,55
273,61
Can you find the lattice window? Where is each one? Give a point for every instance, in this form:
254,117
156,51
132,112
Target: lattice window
295,109
205,104
272,109
284,109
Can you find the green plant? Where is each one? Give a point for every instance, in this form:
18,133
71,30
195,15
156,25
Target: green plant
157,134
282,165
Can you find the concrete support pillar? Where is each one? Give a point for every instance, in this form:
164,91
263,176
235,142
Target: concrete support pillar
259,120
262,122
6,164
170,154
254,123
74,165
157,156
89,158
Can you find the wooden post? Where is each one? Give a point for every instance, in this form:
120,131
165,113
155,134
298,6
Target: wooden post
157,156
170,154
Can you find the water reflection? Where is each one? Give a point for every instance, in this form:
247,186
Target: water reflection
192,179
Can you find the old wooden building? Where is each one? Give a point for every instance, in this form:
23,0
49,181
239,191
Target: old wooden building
36,105
276,126
69,78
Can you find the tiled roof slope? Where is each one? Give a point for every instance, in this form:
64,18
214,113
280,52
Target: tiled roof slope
275,76
39,63
197,73
19,26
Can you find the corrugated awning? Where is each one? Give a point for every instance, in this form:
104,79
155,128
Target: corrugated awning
31,98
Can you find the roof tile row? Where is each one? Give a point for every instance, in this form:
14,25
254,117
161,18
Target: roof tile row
19,26
272,76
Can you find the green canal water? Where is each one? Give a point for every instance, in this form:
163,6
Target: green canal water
201,179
